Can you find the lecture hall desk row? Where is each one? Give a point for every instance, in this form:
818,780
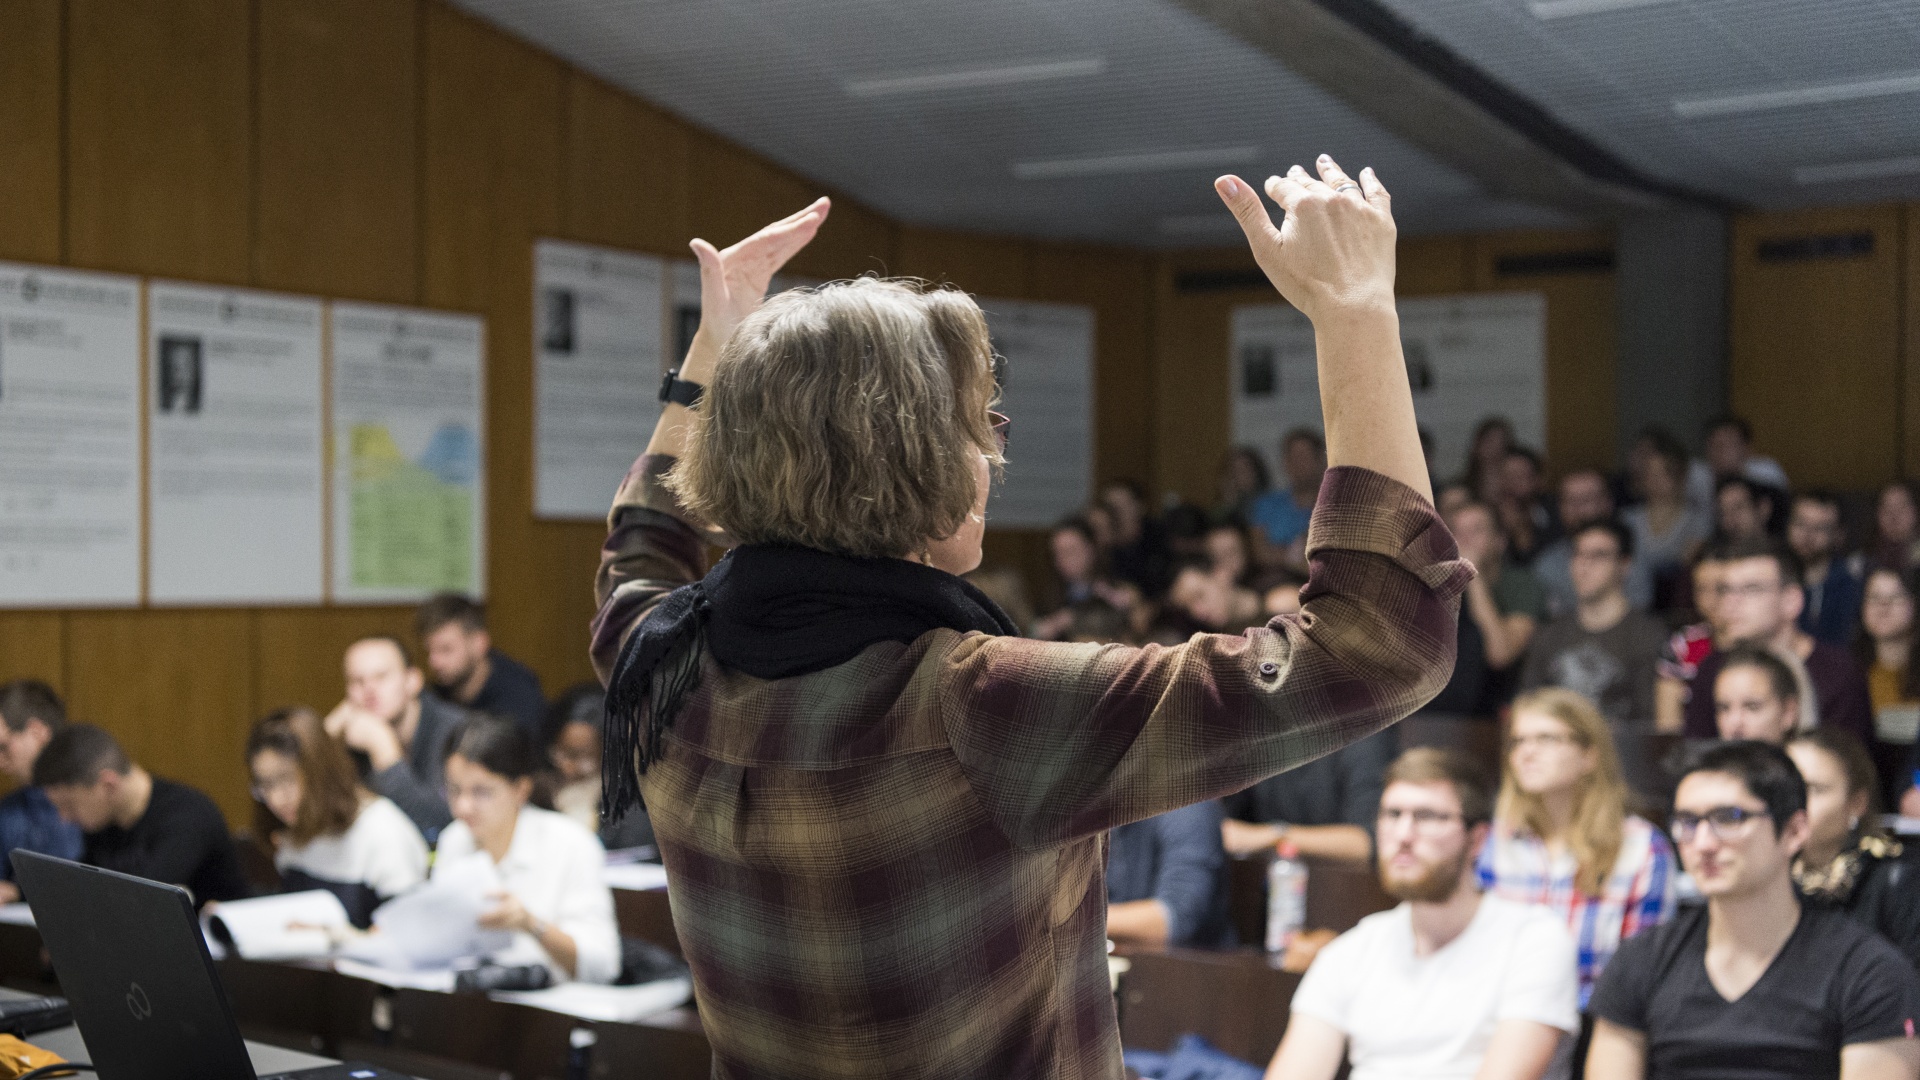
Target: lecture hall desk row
1237,999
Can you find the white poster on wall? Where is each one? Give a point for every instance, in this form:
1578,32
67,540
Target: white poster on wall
1047,391
1468,357
597,363
233,447
69,438
409,468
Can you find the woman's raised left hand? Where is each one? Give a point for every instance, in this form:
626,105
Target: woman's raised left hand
734,281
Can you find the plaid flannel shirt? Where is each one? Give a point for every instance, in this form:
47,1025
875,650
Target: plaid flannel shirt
1637,893
896,867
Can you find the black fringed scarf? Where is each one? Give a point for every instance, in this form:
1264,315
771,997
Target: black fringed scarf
771,611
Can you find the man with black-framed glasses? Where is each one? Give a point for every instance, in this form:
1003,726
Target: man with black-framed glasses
1451,982
1752,984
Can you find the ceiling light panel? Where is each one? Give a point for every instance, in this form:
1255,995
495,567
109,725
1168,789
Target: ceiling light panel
975,78
1797,96
1124,164
1842,171
1567,9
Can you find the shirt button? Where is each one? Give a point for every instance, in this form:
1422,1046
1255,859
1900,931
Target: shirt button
1268,669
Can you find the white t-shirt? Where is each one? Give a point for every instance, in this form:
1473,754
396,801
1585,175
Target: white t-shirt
558,870
1433,1016
382,850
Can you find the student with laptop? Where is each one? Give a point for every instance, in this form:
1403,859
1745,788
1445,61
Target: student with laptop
135,822
134,967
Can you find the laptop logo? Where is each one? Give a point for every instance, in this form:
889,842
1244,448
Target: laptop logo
137,1002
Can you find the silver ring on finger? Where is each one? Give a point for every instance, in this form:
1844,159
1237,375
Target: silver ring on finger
1348,186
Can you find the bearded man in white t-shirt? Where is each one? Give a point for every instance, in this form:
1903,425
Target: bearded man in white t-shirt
1450,983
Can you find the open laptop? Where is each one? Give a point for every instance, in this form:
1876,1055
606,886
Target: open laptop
135,968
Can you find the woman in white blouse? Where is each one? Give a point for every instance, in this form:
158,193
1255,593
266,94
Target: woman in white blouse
328,832
554,895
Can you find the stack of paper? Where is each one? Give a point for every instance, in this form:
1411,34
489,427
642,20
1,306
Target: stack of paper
291,926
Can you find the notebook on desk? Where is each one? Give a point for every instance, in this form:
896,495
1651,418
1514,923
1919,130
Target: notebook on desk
134,966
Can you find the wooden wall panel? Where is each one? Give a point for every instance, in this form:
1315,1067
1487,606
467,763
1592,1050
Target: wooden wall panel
158,136
854,241
626,175
338,148
176,687
1114,283
1581,431
1426,265
1910,343
33,646
982,265
30,136
301,651
1814,347
494,147
1192,336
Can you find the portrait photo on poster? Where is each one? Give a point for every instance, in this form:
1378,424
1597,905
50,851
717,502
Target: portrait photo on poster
182,372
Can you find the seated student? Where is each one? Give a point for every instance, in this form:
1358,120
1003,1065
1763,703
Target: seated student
1562,836
135,822
468,671
1759,601
1752,983
1585,500
576,723
1603,648
552,872
1451,982
1849,861
1756,696
1832,610
1167,880
32,714
1743,510
1324,808
1498,616
398,735
327,831
1883,643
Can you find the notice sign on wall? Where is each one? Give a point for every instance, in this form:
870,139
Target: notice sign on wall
1047,391
234,446
409,483
597,345
69,437
1468,357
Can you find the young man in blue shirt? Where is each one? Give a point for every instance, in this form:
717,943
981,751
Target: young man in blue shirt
31,714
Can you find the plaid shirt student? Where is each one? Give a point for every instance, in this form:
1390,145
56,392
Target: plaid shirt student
895,867
1639,893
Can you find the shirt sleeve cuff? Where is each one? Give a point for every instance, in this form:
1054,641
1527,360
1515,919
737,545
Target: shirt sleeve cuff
1362,510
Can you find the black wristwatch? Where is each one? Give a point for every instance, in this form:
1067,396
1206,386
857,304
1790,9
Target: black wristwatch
679,391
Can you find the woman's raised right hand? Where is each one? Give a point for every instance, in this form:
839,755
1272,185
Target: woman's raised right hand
734,281
1333,251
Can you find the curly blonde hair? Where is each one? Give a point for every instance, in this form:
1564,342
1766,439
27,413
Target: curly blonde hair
845,418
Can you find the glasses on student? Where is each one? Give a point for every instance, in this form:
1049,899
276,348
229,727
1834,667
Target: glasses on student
1000,424
1550,740
264,786
1427,822
481,794
1727,822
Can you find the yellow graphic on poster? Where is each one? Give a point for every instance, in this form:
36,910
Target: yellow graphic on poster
409,453
412,521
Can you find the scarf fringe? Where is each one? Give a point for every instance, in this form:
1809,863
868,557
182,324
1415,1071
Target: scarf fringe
651,680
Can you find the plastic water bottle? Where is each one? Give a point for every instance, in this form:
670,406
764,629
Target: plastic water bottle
1286,899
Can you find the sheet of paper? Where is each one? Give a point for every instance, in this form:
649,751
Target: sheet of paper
69,438
597,346
1468,357
16,914
233,447
287,926
409,437
607,1004
440,979
639,877
1047,391
437,923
